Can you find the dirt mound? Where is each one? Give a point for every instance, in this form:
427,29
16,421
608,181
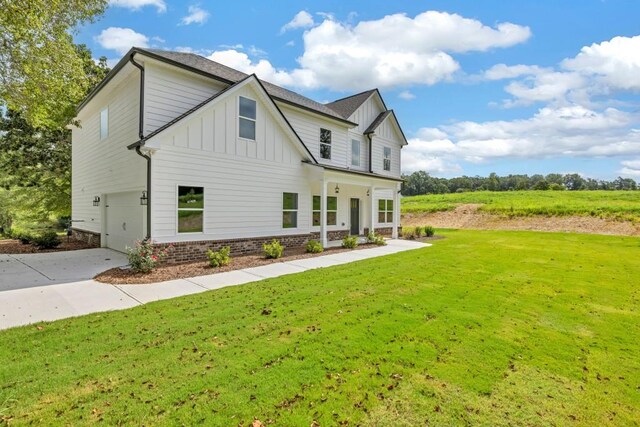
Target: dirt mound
468,216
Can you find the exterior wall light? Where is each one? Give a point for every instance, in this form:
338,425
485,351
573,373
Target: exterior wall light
144,199
337,189
96,200
368,193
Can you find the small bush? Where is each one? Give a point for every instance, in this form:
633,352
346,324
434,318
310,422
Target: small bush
273,250
350,242
47,240
408,233
314,247
219,258
420,231
429,231
23,236
145,257
376,239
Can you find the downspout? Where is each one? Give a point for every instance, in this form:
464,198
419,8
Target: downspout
370,136
141,136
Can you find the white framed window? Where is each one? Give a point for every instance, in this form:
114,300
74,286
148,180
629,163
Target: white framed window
332,211
385,211
247,118
190,209
386,161
289,210
104,123
325,143
355,152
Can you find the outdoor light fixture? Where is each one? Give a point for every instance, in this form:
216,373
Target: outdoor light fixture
144,199
96,200
337,189
368,193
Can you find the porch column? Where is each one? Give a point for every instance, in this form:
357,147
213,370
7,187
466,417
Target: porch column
323,214
373,209
396,213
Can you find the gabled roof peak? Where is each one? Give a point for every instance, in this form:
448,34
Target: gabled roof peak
348,105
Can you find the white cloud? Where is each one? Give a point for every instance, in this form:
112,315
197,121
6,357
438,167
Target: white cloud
160,5
196,15
630,168
121,39
503,71
572,131
396,50
303,19
406,95
616,62
544,87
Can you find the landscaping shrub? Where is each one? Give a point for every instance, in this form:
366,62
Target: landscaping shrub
429,231
350,242
314,247
219,258
408,233
420,231
376,239
145,257
46,240
273,250
23,236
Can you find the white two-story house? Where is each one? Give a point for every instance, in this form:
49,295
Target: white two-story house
192,153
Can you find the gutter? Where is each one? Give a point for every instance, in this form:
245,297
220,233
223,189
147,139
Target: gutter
370,136
141,136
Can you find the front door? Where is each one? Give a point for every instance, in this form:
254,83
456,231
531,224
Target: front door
355,217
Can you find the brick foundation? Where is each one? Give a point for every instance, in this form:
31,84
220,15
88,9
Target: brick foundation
88,237
384,231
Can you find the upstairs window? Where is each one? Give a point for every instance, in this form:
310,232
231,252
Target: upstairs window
386,161
104,123
332,210
325,143
247,118
355,152
385,211
190,209
289,210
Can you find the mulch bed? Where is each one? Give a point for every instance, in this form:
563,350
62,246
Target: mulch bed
15,247
118,276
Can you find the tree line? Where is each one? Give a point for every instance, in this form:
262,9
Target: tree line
422,183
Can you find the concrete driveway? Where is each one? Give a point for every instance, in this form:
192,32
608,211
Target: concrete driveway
31,270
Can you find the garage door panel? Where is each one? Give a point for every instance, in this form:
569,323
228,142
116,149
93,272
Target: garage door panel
124,220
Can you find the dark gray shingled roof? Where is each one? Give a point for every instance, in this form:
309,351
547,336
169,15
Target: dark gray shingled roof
347,106
229,75
374,124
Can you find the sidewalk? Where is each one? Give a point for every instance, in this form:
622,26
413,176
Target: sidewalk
53,302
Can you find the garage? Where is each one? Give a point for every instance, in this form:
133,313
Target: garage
124,220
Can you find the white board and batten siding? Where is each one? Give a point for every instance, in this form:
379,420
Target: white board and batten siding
386,135
106,166
170,92
366,113
243,180
308,125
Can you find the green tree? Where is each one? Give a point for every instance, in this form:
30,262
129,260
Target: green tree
42,73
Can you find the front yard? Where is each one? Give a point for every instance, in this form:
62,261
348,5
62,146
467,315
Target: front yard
485,327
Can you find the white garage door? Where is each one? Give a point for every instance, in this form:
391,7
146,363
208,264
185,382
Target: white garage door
124,220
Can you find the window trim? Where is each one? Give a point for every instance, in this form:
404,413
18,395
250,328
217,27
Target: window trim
313,211
290,210
104,132
359,157
328,144
386,211
178,209
254,120
386,160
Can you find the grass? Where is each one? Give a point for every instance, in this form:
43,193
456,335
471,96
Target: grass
620,205
484,328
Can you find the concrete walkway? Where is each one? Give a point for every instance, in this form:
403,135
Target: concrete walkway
74,298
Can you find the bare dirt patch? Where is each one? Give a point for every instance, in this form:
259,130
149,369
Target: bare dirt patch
118,276
11,246
468,216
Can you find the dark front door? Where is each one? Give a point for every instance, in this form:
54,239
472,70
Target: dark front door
355,217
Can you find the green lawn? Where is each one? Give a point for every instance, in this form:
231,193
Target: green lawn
483,328
606,204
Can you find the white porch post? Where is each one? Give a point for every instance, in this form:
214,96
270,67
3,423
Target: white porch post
396,213
323,214
373,209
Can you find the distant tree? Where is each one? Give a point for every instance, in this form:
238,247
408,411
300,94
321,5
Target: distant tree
574,182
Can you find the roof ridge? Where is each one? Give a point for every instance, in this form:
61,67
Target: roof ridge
352,96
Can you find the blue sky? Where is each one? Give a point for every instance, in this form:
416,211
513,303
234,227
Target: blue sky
479,86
